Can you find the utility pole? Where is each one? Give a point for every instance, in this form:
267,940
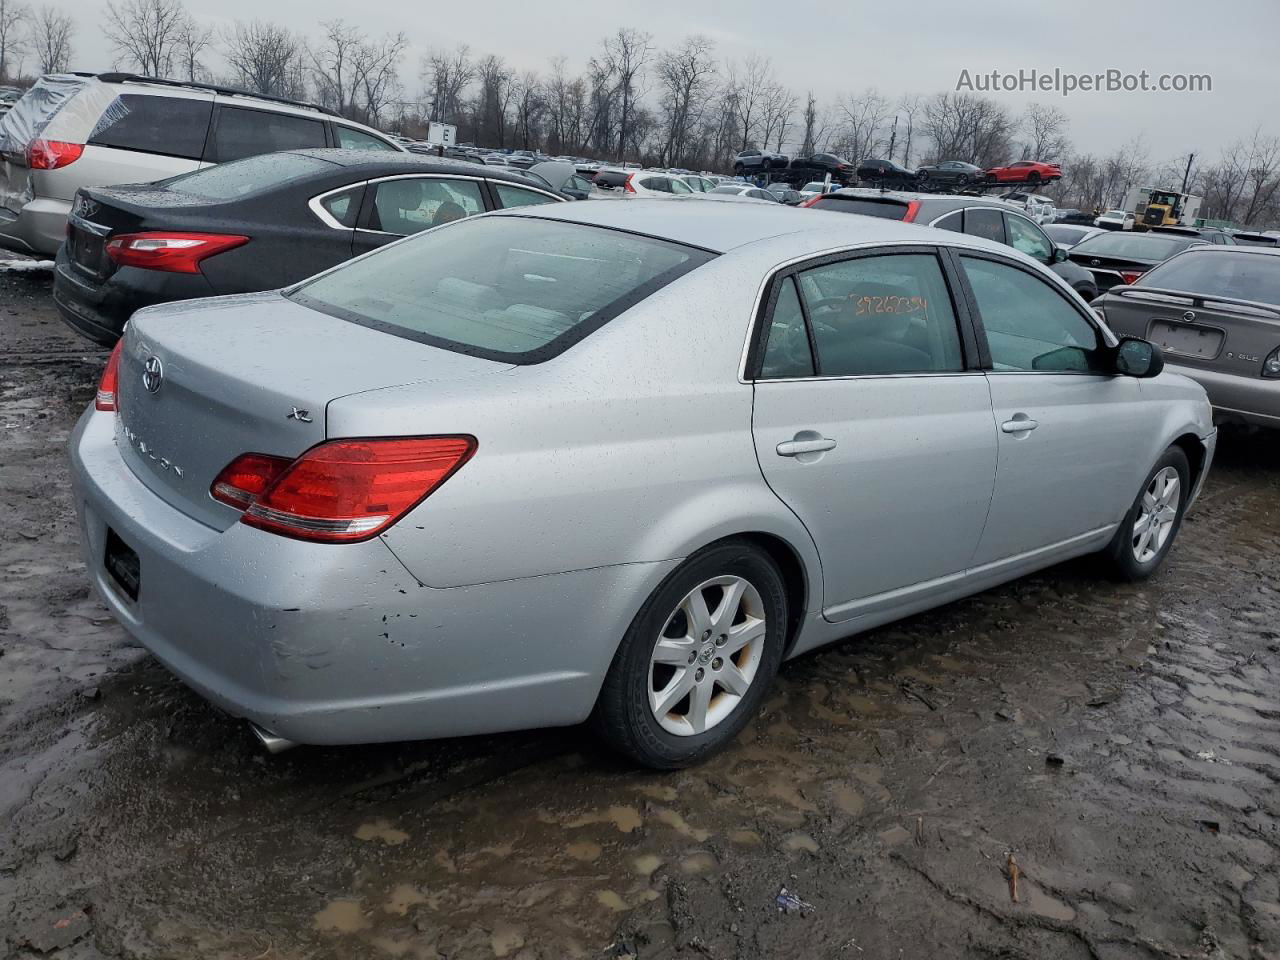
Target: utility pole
893,137
1187,176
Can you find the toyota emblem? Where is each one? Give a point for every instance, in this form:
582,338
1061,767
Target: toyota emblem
152,374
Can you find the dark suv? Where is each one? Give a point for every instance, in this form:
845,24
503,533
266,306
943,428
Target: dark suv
994,219
758,161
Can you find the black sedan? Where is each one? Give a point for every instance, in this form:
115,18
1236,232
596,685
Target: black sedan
887,173
257,224
818,165
1121,257
955,172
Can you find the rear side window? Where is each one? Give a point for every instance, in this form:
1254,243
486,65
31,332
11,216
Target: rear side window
984,222
885,209
229,181
244,133
171,126
344,207
787,352
660,184
407,206
515,289
882,315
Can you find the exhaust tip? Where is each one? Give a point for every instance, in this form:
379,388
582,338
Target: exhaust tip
269,740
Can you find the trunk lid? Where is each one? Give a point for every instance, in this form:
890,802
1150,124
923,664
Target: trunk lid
1231,336
251,373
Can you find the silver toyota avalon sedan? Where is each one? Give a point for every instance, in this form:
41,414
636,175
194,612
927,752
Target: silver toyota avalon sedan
609,461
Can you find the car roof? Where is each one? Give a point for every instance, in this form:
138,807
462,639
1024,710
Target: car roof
375,162
1227,248
954,201
690,221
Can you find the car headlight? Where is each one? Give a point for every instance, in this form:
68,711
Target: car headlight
1271,365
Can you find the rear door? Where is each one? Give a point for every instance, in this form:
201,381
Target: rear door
396,207
1067,429
871,424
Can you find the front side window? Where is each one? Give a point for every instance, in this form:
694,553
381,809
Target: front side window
516,289
407,206
352,139
657,184
245,133
1029,324
172,126
510,196
1026,238
882,315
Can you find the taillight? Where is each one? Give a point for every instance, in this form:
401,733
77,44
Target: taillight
626,184
343,490
913,207
246,478
106,398
52,154
172,252
1130,276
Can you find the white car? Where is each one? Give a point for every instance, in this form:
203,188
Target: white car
643,183
1115,220
1041,209
743,191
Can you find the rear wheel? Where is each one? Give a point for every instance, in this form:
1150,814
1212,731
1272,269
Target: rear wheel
1148,530
1033,176
697,660
738,169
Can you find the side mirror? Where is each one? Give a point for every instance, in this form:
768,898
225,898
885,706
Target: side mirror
1138,358
1059,255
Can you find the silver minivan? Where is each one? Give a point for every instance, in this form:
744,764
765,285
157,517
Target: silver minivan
78,130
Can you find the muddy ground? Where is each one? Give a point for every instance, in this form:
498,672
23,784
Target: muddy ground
1121,742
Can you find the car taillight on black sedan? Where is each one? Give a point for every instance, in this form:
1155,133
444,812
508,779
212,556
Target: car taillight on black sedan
343,490
172,252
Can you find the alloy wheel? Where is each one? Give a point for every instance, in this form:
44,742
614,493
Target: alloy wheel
1157,512
706,655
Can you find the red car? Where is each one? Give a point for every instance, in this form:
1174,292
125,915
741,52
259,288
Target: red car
1026,171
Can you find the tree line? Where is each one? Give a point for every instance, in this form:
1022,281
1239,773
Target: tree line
682,106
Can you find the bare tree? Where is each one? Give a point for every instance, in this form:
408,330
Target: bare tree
1045,129
267,58
14,20
626,53
963,126
862,130
749,94
447,76
909,107
145,33
50,39
530,108
493,100
686,75
354,75
193,39
779,107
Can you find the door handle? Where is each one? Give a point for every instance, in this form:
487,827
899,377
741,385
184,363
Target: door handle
794,448
1021,423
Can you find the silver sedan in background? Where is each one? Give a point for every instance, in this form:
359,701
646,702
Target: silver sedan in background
609,461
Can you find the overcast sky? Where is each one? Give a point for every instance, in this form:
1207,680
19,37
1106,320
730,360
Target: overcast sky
908,46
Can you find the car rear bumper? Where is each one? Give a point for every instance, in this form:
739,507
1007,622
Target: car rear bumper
334,644
1238,399
100,309
38,228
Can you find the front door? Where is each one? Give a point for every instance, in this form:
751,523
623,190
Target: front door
1066,427
870,425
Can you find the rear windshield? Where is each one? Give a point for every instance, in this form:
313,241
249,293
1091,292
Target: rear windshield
1141,247
516,289
1256,240
1233,276
239,178
885,209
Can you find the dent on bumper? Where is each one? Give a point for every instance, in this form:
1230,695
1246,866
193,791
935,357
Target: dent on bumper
339,643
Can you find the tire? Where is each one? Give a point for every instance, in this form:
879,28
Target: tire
1033,176
1122,557
627,715
738,169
